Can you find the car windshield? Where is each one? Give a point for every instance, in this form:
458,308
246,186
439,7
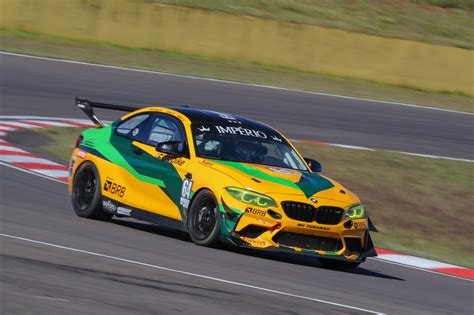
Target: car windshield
245,144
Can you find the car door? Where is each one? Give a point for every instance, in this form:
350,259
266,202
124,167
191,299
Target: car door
119,177
156,178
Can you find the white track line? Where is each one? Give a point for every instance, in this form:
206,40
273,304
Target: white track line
234,82
189,273
353,147
432,156
49,298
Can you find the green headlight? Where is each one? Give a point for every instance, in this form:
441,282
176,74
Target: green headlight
250,197
356,212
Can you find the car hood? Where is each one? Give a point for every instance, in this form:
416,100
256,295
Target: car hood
281,181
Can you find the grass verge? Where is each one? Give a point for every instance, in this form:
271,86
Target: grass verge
444,22
421,206
40,45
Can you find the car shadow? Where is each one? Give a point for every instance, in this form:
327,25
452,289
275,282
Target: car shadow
153,228
296,259
309,261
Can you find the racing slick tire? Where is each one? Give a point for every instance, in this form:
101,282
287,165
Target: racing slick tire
338,264
203,219
86,195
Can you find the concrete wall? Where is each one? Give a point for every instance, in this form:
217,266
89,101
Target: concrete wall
136,23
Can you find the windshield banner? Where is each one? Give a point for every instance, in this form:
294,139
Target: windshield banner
244,131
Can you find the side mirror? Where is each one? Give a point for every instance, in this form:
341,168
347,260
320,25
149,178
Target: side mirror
314,165
170,147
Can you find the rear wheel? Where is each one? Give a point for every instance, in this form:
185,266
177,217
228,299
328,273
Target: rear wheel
86,195
203,219
338,264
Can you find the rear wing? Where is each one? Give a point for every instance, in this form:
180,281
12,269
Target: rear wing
88,108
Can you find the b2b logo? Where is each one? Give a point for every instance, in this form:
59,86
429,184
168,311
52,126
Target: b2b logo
114,188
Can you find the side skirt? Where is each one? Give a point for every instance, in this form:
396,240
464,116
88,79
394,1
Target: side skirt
122,210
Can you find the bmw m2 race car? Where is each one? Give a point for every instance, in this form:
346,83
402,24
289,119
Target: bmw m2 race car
219,177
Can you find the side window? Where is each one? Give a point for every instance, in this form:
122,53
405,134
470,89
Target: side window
164,129
130,127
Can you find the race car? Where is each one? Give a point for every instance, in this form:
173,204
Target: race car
219,177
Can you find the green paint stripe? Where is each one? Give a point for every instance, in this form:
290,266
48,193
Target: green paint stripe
257,173
100,138
309,184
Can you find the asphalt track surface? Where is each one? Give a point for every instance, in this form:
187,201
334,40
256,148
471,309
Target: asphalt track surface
35,86
128,267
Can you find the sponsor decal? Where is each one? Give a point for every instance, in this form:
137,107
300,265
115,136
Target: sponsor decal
254,241
177,161
283,171
124,211
160,155
204,129
186,192
229,118
241,131
359,225
313,227
237,130
71,165
81,154
207,162
256,211
277,139
135,132
173,160
264,222
109,205
114,188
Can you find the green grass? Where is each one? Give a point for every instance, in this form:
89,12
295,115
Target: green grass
59,142
421,206
444,22
252,73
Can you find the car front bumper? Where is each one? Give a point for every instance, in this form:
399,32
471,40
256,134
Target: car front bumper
348,240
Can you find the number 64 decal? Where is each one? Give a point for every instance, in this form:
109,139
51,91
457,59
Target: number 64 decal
186,192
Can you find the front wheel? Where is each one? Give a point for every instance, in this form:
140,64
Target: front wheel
86,195
338,264
203,219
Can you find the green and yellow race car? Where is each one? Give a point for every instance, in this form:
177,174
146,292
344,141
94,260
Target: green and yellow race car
219,177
